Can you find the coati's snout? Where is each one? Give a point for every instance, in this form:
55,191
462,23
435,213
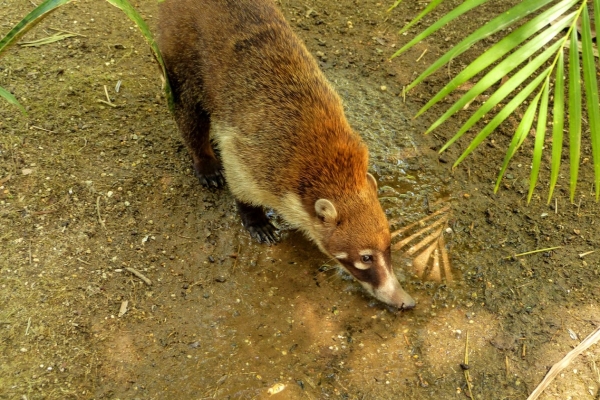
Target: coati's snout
356,233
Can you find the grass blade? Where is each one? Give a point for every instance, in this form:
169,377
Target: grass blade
502,92
518,137
501,48
502,70
591,94
507,18
445,20
396,4
540,134
501,116
29,21
430,7
596,4
133,15
558,122
574,114
11,99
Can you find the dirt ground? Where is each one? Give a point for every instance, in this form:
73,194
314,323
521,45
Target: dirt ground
88,190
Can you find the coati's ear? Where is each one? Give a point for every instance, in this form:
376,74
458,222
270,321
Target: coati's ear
325,210
372,181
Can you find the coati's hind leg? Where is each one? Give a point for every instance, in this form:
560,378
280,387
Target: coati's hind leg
194,124
257,223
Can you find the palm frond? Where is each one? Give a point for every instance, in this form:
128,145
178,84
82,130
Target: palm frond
541,37
558,122
591,94
574,113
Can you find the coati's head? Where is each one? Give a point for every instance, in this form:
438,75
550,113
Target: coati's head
354,230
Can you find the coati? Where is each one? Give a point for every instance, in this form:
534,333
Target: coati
242,78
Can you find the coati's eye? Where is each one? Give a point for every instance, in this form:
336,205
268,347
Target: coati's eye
367,259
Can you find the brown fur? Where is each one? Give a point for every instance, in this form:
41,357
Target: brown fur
238,70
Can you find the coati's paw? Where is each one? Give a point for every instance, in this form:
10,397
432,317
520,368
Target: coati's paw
264,233
257,223
210,174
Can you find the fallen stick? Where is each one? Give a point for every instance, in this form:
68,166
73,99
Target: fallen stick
139,275
592,339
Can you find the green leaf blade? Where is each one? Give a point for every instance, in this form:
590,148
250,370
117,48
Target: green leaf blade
445,20
574,114
430,7
591,94
502,115
501,48
500,94
134,16
30,20
540,134
507,18
518,137
558,123
8,96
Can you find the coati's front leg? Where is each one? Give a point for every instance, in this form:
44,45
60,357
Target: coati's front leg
257,223
194,124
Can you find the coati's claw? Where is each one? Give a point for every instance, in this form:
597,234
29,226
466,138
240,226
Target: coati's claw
215,179
257,223
264,234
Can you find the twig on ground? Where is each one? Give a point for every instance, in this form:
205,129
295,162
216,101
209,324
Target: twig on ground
106,102
72,33
107,96
28,326
586,253
465,367
534,251
589,341
139,275
98,210
422,54
41,129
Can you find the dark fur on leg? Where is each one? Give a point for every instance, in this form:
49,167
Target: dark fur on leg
257,223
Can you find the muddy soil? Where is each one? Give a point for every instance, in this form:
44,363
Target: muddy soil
90,189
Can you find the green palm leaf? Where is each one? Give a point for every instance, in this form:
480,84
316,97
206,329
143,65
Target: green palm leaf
591,94
519,137
558,123
503,92
504,20
540,134
503,69
540,37
503,47
430,7
501,116
574,113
